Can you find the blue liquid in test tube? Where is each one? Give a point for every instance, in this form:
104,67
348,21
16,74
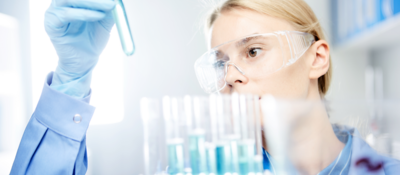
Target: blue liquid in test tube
258,164
197,151
211,158
246,154
175,156
224,158
233,142
124,30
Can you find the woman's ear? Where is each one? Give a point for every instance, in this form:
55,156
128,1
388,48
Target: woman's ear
320,62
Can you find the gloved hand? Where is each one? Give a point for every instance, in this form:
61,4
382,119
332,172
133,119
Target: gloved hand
79,31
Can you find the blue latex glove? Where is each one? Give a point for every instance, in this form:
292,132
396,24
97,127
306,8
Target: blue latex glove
79,31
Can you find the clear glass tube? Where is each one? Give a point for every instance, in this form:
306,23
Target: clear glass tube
223,157
247,144
195,110
174,138
258,159
227,136
154,137
212,135
124,31
175,156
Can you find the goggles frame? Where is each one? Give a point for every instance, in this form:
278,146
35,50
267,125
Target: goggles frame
298,43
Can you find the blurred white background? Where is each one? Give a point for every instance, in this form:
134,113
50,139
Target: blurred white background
169,38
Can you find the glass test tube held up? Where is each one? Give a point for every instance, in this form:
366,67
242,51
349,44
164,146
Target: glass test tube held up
124,30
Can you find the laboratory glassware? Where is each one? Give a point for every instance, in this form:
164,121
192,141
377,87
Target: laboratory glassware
196,112
222,134
124,30
250,145
172,110
227,136
154,148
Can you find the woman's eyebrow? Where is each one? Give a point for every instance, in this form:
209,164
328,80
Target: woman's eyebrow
219,54
246,40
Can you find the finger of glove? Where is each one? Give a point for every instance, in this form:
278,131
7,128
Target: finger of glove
62,16
108,22
97,5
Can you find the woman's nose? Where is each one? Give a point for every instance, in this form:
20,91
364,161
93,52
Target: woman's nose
235,76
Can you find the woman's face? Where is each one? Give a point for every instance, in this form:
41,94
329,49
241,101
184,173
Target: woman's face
291,81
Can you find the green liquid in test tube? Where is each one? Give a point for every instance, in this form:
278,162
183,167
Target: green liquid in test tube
124,31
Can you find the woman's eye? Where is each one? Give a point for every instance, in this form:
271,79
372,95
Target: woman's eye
253,52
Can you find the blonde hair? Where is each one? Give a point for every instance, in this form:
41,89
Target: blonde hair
296,12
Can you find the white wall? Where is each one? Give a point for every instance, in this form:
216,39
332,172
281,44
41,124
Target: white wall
348,79
19,9
388,60
15,94
12,119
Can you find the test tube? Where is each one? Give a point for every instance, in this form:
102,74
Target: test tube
175,141
246,145
258,159
124,31
222,148
196,130
212,136
232,105
154,140
226,144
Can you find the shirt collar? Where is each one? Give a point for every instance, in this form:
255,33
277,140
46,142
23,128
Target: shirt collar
340,165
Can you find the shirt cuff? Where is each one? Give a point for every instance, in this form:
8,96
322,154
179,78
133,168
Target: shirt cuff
60,112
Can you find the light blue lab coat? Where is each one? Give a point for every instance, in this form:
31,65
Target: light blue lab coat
54,144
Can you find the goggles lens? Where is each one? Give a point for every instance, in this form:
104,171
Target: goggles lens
253,56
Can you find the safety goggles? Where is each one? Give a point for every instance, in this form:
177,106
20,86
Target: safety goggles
253,56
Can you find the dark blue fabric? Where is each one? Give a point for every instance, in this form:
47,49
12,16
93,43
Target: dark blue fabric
266,162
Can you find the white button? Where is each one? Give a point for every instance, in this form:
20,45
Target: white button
77,118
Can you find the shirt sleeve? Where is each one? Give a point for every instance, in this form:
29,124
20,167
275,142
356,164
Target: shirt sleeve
54,141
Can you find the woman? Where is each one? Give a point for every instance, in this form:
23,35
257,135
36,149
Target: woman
254,53
278,47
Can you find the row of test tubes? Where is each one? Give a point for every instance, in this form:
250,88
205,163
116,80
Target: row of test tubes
203,135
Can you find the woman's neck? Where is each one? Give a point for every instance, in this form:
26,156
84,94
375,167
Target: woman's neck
312,144
315,145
